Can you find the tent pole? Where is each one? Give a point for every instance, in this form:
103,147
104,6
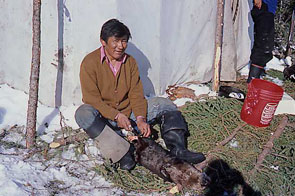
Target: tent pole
218,45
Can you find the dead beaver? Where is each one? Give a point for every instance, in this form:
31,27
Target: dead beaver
159,161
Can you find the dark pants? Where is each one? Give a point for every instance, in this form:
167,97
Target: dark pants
86,114
263,35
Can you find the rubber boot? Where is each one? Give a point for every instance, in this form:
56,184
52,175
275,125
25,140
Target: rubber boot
127,162
175,141
255,72
105,137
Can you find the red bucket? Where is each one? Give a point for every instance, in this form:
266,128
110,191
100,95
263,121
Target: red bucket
261,102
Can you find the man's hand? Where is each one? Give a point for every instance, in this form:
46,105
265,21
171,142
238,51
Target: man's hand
123,121
143,127
258,3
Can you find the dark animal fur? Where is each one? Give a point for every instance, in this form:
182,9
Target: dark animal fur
159,161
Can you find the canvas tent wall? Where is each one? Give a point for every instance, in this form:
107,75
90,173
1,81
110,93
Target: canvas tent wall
172,40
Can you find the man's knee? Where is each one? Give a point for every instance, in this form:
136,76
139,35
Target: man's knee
158,105
160,101
85,115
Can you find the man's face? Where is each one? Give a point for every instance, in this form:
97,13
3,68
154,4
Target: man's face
115,47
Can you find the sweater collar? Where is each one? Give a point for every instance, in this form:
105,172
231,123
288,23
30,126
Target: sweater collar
103,56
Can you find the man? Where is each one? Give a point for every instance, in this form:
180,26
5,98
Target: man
113,99
263,13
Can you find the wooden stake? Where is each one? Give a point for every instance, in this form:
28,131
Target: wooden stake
218,45
34,77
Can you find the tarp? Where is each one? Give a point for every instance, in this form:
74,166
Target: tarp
172,41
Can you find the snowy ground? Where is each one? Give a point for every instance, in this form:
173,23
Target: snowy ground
23,173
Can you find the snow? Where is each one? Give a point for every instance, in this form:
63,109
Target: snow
274,63
18,177
35,176
234,143
277,64
199,90
275,167
11,115
181,101
286,105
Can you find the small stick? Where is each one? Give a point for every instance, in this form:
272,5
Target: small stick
12,154
222,119
71,139
203,164
251,134
278,155
269,144
231,136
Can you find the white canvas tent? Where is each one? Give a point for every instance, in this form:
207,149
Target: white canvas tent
172,41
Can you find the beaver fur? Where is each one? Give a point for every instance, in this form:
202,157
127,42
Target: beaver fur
159,161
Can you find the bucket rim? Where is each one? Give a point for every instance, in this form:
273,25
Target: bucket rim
268,85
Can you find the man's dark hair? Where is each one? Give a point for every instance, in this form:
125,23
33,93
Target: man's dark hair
114,27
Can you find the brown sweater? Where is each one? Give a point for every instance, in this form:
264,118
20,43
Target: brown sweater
111,94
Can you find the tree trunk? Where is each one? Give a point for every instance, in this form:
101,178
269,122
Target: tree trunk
218,45
34,78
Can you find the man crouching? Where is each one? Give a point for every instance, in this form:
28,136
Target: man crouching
113,98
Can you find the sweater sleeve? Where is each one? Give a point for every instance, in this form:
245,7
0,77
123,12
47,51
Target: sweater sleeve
90,91
136,95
